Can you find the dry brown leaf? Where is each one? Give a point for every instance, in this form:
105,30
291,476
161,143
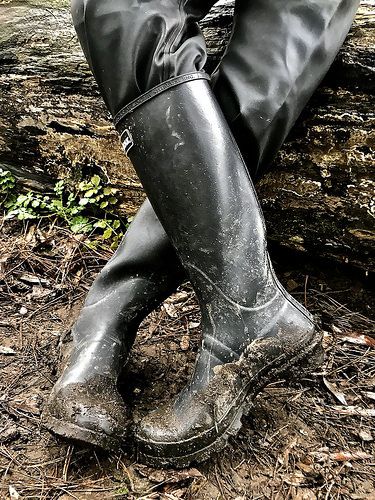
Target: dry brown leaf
38,292
177,297
153,327
304,494
9,434
27,406
340,456
369,394
345,456
167,476
354,410
306,468
365,435
297,478
175,494
30,235
193,324
171,310
33,279
358,338
7,351
335,391
185,342
13,493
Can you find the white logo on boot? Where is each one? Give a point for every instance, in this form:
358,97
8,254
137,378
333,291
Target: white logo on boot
127,141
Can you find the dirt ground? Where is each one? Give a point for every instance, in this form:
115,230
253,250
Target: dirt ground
313,439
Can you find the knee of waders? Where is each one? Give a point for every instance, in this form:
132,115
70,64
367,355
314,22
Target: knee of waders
131,14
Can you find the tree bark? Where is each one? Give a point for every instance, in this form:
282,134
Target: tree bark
319,195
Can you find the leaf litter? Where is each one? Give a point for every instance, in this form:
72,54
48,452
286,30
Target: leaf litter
296,442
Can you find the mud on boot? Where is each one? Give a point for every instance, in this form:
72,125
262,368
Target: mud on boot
92,412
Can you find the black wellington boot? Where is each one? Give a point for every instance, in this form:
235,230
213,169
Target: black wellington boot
254,332
85,404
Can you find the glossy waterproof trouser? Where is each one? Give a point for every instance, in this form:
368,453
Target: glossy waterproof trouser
278,53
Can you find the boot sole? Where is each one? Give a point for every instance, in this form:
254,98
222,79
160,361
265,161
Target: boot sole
79,434
304,363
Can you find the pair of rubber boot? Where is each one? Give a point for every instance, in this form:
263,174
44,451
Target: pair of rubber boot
209,227
253,332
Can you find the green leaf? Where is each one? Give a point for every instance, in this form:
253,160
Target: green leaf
23,215
22,198
101,224
84,186
80,225
95,179
107,233
76,210
92,244
90,192
57,204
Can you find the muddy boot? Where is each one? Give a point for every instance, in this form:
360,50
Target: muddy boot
254,332
85,404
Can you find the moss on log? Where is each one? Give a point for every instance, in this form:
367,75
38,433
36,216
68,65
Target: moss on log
319,195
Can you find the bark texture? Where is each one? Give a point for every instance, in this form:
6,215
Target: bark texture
319,195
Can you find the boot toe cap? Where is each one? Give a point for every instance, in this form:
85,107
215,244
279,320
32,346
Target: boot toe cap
168,437
79,411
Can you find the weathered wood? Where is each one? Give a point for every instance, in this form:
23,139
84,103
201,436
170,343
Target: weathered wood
319,196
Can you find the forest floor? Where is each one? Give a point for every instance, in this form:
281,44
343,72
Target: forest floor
311,440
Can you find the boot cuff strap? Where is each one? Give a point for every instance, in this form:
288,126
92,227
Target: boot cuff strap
172,82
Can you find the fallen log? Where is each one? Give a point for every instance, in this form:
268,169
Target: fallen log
319,196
